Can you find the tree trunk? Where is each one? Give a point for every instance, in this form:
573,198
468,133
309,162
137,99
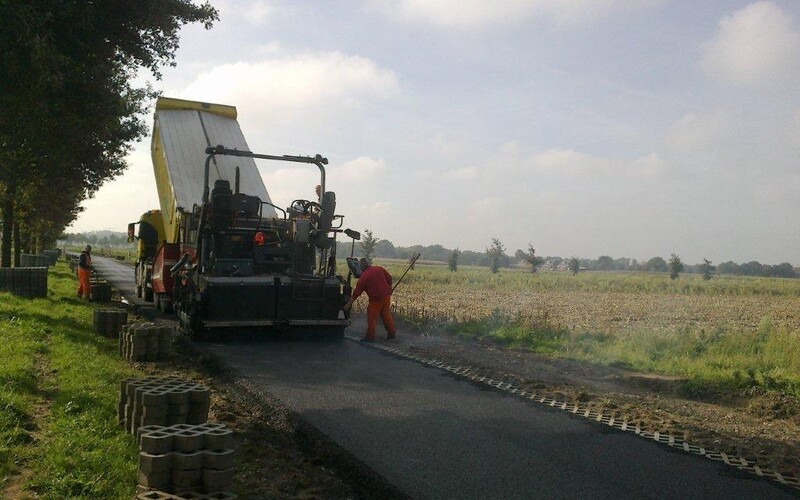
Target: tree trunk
17,245
7,214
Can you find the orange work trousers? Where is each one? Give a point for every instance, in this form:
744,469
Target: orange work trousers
380,307
84,287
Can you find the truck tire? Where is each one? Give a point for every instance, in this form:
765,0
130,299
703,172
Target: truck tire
147,287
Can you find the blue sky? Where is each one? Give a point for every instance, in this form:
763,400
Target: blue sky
585,127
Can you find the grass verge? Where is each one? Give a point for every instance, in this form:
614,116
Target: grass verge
752,362
61,380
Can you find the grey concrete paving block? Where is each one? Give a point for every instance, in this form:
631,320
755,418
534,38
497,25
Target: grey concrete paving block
155,396
197,417
221,495
211,425
191,495
177,396
154,495
199,394
218,439
145,420
179,409
177,419
151,463
218,460
188,440
188,460
155,412
217,480
157,442
186,478
157,480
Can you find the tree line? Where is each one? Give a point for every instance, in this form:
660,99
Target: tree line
96,238
71,109
496,256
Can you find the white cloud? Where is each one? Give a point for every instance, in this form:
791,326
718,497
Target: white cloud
255,13
570,162
259,12
463,173
695,131
360,169
755,46
471,14
294,81
289,183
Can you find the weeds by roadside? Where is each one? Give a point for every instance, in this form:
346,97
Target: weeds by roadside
752,363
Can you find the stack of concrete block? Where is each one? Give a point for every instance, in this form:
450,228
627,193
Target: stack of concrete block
162,401
186,458
109,322
190,495
32,260
53,254
100,289
145,342
29,282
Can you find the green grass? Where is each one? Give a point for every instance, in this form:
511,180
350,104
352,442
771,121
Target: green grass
767,360
53,362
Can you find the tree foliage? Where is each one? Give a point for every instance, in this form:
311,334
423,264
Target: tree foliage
532,259
368,244
574,265
496,253
706,269
656,264
70,105
452,261
675,266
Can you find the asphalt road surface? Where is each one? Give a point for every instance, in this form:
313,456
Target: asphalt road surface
432,435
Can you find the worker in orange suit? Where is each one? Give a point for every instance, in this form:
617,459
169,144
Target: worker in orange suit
85,273
377,282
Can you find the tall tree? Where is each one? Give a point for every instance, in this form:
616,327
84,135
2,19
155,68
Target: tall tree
368,243
657,264
706,269
70,110
532,259
496,253
452,261
675,266
574,265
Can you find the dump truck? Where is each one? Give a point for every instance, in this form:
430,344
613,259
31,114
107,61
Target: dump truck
226,256
149,239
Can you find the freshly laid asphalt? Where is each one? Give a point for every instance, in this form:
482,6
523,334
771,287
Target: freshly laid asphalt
432,435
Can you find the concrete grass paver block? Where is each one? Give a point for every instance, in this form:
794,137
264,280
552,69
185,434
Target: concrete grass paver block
186,478
188,460
218,439
154,495
217,480
188,440
218,460
151,463
157,480
157,442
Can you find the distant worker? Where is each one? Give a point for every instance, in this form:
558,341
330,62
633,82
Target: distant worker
377,282
85,269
